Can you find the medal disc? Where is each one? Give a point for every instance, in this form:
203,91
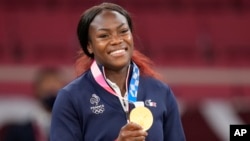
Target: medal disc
141,116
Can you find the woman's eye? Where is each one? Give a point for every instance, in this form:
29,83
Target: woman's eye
103,36
124,31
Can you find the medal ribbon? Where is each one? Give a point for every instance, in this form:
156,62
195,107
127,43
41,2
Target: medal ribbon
133,85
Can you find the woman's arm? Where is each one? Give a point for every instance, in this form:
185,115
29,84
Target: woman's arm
173,130
65,124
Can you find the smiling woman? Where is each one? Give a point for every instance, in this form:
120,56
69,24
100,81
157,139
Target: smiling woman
113,80
110,40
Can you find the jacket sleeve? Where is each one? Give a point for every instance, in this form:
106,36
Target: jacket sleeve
65,123
173,130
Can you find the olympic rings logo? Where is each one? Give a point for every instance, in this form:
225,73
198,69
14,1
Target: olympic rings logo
98,109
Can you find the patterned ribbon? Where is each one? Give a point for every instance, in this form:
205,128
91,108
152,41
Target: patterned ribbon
133,85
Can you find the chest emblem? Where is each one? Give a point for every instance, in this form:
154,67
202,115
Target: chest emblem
96,108
150,103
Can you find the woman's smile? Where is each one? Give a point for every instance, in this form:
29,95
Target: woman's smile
118,52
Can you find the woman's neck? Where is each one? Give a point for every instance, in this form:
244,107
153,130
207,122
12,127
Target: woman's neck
118,77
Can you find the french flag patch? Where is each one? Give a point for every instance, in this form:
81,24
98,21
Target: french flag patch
150,103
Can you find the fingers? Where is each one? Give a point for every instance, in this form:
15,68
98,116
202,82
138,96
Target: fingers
132,132
130,138
132,126
141,138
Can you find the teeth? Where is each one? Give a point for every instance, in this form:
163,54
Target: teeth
117,51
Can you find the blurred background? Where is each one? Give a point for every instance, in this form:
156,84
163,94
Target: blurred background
200,47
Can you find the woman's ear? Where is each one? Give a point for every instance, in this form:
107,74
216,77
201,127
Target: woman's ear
90,48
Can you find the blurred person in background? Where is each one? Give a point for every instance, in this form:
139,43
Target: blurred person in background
36,127
46,86
96,105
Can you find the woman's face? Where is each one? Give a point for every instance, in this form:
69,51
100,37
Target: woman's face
110,40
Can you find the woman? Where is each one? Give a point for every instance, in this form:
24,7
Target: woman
115,79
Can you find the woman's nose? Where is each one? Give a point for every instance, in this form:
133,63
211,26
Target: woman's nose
116,39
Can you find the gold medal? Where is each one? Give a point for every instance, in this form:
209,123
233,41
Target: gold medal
142,116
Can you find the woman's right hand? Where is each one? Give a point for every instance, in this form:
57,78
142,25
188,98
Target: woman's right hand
132,132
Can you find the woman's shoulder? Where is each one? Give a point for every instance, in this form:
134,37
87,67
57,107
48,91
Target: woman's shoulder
79,83
156,89
153,82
